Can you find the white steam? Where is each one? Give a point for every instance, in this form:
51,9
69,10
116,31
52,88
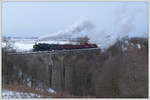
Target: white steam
124,25
67,33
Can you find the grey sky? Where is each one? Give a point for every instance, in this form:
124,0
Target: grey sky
41,18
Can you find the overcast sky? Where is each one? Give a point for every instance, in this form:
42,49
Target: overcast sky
42,18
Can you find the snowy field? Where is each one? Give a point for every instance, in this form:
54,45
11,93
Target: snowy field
27,44
22,44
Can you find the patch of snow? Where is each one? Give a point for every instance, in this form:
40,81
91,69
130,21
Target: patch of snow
29,83
23,46
20,73
6,94
127,43
124,48
39,89
3,45
139,46
51,90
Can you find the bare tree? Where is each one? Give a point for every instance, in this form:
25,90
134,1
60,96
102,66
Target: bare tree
9,44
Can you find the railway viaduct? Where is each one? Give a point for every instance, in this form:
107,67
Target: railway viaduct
68,71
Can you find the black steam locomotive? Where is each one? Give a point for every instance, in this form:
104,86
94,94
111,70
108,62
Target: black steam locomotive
50,47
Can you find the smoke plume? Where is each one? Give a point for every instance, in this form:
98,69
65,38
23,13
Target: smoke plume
124,21
67,33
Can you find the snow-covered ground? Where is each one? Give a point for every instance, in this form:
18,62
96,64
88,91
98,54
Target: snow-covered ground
27,44
6,94
13,94
23,46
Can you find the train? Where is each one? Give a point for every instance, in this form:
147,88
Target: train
51,47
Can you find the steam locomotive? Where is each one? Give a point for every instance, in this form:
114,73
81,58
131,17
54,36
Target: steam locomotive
50,47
